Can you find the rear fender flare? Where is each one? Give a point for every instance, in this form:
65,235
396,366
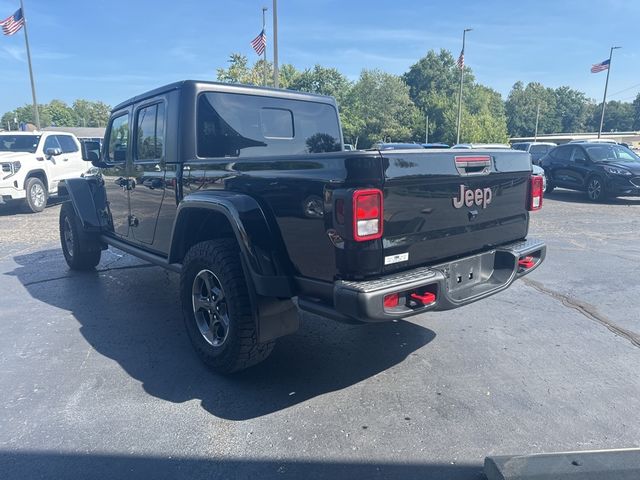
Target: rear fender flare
261,248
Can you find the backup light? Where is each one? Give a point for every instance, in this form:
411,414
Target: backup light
367,214
535,194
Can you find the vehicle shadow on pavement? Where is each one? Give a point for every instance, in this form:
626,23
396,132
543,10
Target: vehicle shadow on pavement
129,312
572,196
23,465
17,208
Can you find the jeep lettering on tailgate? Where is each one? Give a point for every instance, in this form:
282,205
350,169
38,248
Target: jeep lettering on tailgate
468,197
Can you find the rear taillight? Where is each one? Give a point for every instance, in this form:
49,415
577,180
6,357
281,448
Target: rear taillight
367,214
535,193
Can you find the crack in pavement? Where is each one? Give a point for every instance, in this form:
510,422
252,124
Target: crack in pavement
589,311
128,267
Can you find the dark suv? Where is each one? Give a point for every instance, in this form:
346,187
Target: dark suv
600,169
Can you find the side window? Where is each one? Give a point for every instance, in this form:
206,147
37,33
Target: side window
67,144
563,153
538,149
150,133
51,142
119,139
237,125
579,154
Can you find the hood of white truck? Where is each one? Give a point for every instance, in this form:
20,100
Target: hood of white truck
15,156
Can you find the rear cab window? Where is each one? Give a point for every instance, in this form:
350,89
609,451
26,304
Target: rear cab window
238,125
150,127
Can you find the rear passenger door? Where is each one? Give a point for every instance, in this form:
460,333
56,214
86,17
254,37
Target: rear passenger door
559,166
147,178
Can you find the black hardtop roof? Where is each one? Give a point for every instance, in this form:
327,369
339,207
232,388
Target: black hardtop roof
230,88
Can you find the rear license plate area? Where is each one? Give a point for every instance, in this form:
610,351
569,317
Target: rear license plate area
465,273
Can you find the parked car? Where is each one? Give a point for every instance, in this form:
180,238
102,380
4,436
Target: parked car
537,150
599,169
594,140
34,165
435,145
206,189
395,146
535,170
348,147
491,146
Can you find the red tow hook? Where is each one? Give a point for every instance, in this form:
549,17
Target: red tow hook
426,298
527,262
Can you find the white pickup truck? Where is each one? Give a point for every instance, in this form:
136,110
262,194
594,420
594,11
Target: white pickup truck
33,165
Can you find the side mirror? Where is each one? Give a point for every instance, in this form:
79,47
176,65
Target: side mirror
90,151
52,152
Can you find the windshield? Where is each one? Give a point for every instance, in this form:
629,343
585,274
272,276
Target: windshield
19,143
605,153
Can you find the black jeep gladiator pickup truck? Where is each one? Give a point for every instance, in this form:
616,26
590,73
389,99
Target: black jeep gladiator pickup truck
249,194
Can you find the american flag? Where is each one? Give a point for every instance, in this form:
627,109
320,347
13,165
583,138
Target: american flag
461,60
12,24
259,43
599,67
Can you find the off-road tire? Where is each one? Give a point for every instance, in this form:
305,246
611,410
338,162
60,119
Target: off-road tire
37,194
550,187
239,348
81,250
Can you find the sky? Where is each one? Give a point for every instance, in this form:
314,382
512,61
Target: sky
113,50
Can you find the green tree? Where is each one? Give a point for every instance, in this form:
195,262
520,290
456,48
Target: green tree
91,114
484,116
521,107
60,113
636,117
378,108
434,83
573,109
323,81
239,71
618,117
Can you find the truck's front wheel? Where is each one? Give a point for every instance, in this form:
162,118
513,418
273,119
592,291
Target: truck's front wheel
37,194
217,308
81,251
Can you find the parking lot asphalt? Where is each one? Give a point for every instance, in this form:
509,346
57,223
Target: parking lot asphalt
98,379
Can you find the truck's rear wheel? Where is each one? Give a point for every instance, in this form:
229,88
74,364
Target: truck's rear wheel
80,250
217,308
37,194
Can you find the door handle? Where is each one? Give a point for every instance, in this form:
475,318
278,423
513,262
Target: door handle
65,159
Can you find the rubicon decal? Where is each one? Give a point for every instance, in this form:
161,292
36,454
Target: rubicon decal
479,197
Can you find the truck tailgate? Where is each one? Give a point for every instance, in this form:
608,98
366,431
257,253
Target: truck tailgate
446,203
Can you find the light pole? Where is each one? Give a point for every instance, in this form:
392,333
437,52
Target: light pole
426,130
461,65
276,74
264,54
606,85
535,135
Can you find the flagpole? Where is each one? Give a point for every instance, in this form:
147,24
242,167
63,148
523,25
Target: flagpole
276,74
33,85
606,85
264,54
464,35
